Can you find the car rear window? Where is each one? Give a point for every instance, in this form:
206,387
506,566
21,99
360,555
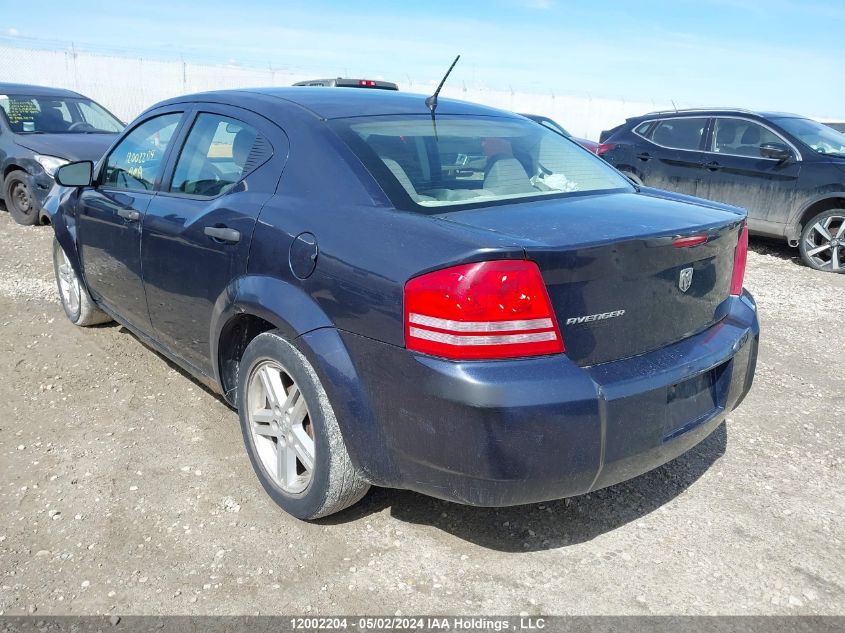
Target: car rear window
465,161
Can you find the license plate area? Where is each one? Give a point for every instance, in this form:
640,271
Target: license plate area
691,402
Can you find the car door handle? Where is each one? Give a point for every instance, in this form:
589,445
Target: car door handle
129,214
644,156
713,165
223,234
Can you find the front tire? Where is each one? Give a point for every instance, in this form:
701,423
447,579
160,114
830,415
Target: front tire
77,303
19,199
291,433
822,243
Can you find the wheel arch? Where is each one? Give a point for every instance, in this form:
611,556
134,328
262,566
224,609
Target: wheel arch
820,204
253,305
248,307
65,233
630,170
8,169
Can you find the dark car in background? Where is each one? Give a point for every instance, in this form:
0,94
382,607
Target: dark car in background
786,170
557,127
839,127
41,129
532,329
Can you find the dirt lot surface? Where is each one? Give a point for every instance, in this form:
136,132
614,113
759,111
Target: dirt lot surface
125,488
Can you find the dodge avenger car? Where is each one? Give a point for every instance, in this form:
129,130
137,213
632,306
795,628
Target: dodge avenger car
528,327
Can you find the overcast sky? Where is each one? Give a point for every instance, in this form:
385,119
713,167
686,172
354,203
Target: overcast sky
767,54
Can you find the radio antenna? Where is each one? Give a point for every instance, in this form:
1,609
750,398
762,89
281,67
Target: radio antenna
431,101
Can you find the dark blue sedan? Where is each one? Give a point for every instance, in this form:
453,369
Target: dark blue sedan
468,305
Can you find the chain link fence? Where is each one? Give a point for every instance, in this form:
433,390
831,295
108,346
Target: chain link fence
128,85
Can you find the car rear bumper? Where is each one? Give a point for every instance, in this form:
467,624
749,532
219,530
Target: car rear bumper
521,431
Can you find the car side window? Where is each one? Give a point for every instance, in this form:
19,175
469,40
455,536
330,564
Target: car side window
740,137
217,154
642,128
136,161
681,133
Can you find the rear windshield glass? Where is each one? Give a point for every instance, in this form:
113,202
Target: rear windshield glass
462,161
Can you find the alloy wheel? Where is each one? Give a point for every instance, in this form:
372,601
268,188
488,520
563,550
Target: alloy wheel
824,243
69,285
280,426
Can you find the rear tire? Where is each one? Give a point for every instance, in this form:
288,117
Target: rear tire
633,177
19,199
77,303
291,433
822,243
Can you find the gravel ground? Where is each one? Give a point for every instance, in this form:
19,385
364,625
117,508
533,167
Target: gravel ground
126,489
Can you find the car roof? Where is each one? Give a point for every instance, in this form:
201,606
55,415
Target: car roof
716,112
327,103
35,91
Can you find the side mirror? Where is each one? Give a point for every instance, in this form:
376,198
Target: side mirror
778,151
77,174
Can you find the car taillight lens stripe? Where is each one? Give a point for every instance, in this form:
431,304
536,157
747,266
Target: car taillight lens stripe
687,242
463,340
479,326
487,310
740,261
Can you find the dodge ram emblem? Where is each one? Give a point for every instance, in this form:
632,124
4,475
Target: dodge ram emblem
685,280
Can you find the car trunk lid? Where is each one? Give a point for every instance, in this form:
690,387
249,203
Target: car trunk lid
621,278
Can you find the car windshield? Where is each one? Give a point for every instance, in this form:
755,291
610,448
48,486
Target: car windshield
57,115
461,161
822,138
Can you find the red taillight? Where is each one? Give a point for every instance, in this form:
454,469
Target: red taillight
603,148
692,240
366,82
740,260
495,309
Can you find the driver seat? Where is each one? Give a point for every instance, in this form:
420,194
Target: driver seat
50,119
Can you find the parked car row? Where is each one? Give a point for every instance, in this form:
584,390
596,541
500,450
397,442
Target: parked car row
787,171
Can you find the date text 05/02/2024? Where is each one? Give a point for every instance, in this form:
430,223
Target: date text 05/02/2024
410,623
